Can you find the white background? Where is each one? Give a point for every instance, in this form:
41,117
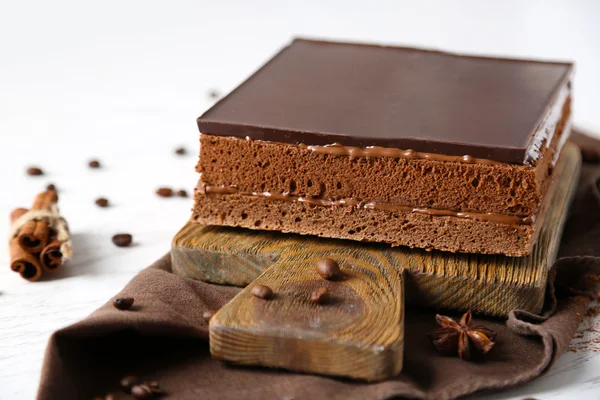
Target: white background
123,81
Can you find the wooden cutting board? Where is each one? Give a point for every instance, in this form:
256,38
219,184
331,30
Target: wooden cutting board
359,334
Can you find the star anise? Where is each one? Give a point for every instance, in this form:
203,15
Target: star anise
457,337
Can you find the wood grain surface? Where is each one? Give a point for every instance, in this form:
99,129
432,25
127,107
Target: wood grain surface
357,333
488,284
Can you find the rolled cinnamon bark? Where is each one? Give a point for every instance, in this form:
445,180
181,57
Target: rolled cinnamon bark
33,235
21,261
51,256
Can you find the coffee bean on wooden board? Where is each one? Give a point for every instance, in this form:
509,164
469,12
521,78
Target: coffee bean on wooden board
328,269
102,202
182,193
51,187
262,292
164,192
122,239
180,151
319,296
35,171
94,164
123,303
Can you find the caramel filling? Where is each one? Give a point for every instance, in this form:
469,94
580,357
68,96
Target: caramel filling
512,220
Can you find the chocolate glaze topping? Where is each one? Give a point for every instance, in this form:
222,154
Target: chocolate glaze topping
369,96
512,220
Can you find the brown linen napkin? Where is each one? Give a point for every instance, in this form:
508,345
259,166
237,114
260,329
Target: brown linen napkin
164,337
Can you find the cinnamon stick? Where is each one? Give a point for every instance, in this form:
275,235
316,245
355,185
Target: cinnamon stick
33,235
51,256
21,261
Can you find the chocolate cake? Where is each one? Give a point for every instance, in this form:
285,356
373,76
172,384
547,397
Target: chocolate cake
387,144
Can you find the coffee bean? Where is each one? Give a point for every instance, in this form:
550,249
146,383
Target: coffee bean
51,187
142,391
262,291
213,94
182,193
328,269
207,315
319,296
102,202
123,303
34,171
122,239
164,192
180,151
127,382
94,164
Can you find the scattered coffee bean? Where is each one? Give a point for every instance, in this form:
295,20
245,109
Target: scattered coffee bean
142,391
164,192
262,291
122,239
180,151
127,382
123,303
102,202
319,296
94,164
328,269
51,187
182,193
213,94
207,315
34,171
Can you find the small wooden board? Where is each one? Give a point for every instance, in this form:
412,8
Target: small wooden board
358,333
485,284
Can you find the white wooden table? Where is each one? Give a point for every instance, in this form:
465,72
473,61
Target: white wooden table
123,81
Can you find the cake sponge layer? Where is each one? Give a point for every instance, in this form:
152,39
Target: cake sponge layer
397,228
